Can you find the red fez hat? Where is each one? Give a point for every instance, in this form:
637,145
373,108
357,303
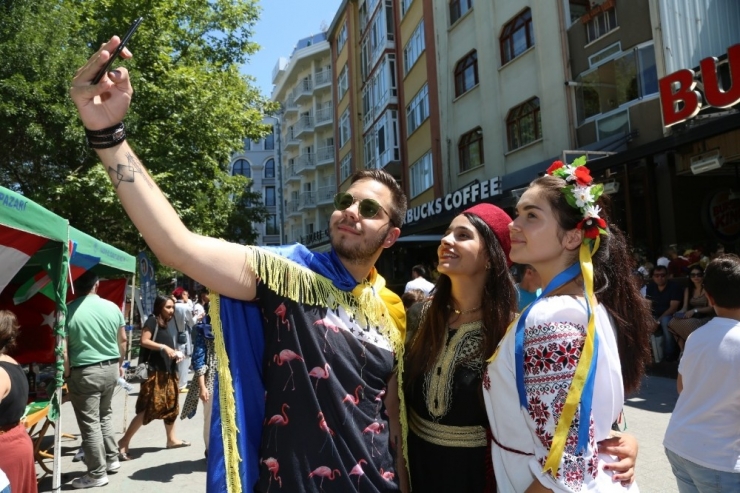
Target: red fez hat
498,221
177,293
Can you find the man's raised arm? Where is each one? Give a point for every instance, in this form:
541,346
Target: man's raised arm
102,107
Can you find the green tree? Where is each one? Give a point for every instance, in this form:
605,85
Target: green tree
191,109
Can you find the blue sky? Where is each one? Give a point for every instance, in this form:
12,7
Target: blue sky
282,23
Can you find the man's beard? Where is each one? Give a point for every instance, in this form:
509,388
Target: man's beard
359,254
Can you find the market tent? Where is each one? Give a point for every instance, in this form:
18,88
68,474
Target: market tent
112,261
33,244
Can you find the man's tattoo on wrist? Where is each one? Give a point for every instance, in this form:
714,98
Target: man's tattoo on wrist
127,172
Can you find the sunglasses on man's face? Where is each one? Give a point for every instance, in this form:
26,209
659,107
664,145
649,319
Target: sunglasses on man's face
368,208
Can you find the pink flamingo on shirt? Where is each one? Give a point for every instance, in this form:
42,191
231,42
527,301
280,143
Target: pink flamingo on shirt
281,311
387,475
373,429
357,471
319,373
325,427
354,400
329,326
324,472
274,467
278,420
379,401
286,356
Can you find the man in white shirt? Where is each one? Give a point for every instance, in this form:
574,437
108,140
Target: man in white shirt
702,441
179,326
418,280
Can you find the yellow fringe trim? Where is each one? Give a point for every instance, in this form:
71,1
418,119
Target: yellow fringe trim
229,430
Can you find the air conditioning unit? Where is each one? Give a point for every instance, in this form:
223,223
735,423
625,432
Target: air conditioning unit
611,187
706,162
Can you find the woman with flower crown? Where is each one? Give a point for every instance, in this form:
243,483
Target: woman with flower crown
458,328
555,385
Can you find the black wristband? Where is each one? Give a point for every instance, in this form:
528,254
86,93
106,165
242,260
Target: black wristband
106,137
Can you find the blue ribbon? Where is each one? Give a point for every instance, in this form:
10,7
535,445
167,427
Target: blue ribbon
587,396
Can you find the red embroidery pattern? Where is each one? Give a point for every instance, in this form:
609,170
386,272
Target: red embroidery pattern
551,355
486,381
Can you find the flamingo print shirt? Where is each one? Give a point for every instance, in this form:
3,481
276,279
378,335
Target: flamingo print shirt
325,377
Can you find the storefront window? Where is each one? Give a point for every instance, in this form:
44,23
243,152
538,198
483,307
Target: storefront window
616,82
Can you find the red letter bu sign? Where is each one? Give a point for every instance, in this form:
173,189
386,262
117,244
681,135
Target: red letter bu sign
680,101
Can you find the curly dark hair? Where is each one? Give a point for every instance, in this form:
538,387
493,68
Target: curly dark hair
8,331
614,285
499,306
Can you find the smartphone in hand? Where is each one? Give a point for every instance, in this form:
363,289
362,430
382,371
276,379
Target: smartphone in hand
117,51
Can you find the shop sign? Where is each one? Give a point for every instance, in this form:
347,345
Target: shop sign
722,215
469,195
679,99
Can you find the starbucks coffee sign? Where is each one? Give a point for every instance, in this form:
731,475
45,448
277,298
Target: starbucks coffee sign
468,196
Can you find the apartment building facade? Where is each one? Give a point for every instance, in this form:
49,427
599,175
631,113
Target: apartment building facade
303,86
256,161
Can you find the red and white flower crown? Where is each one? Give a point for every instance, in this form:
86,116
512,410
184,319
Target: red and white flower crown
581,194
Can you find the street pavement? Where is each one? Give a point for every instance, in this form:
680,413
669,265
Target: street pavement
158,470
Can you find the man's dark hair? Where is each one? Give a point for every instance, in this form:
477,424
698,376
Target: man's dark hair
399,203
420,271
84,284
659,268
722,281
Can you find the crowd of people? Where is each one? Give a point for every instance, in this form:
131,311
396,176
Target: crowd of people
489,384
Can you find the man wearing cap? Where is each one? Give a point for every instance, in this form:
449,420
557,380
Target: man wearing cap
92,363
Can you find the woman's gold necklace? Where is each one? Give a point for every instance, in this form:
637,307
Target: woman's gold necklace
463,312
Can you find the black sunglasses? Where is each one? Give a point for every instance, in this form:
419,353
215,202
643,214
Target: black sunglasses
696,274
368,208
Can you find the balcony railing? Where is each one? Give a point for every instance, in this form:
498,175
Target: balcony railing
307,199
326,194
304,88
305,161
324,115
292,207
304,124
290,105
325,155
323,77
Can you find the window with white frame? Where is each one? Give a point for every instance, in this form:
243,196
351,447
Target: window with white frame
270,196
270,168
270,140
241,167
414,48
345,167
421,174
343,83
271,225
458,8
344,128
405,4
342,38
616,81
418,110
601,23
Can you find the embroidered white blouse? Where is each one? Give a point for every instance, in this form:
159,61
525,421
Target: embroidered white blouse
554,334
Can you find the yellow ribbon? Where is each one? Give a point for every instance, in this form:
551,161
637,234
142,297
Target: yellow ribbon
557,448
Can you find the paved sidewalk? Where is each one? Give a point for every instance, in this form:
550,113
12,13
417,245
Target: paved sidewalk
155,469
647,414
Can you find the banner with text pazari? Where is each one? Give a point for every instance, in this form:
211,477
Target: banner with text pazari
148,283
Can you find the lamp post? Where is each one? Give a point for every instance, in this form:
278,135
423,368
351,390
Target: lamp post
279,152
